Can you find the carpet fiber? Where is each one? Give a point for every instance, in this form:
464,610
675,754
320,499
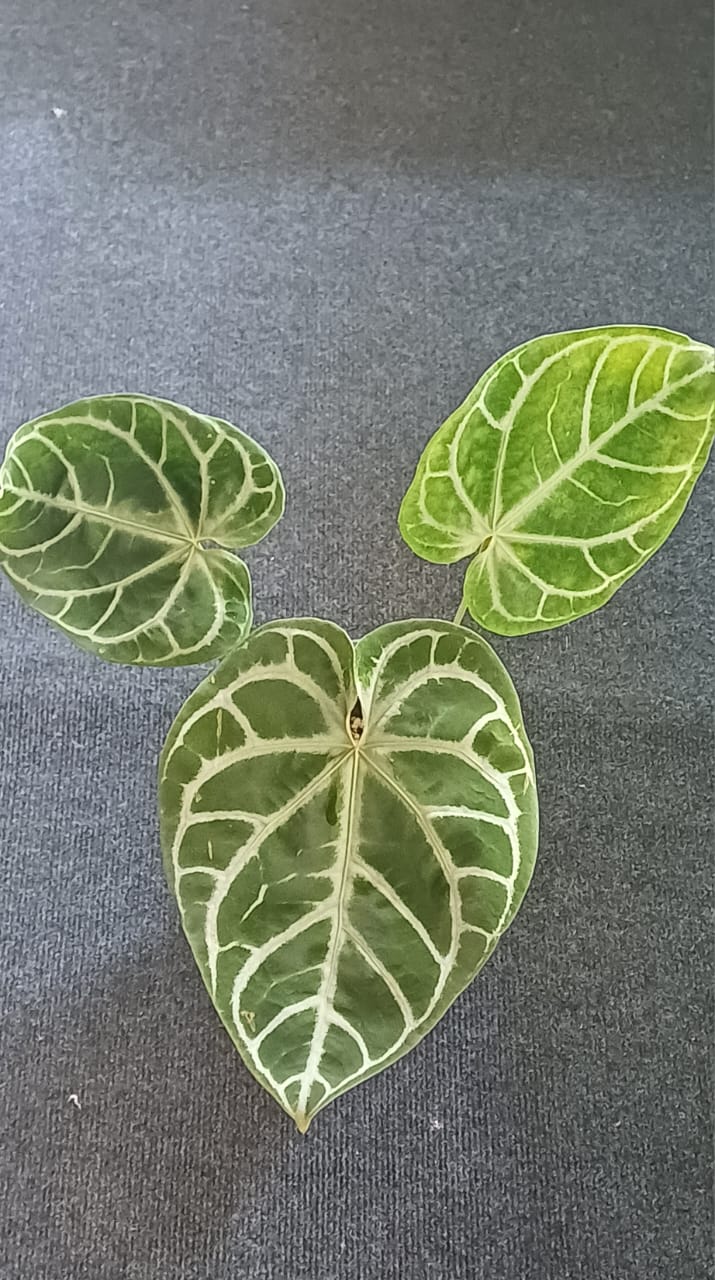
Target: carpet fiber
323,221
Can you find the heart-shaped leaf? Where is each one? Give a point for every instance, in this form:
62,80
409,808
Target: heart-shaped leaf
566,467
348,831
115,518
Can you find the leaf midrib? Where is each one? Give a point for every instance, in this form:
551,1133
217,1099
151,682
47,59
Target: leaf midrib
532,501
338,937
105,517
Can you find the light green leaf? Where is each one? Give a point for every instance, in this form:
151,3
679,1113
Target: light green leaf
348,830
566,467
116,515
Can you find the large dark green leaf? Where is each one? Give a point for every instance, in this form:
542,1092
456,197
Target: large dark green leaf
348,829
566,467
117,516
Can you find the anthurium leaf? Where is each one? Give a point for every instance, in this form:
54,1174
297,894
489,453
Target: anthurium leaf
566,467
117,516
348,829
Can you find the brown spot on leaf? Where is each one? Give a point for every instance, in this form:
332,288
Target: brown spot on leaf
357,724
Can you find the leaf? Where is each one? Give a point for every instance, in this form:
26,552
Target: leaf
348,831
115,517
564,470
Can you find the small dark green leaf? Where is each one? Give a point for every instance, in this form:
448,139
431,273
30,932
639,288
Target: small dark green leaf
117,519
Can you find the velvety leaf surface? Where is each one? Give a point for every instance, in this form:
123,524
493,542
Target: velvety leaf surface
116,515
566,467
348,829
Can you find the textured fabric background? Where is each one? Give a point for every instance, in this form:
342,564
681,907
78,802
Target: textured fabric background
323,220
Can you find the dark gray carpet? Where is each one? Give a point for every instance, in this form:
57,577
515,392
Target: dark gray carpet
323,220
